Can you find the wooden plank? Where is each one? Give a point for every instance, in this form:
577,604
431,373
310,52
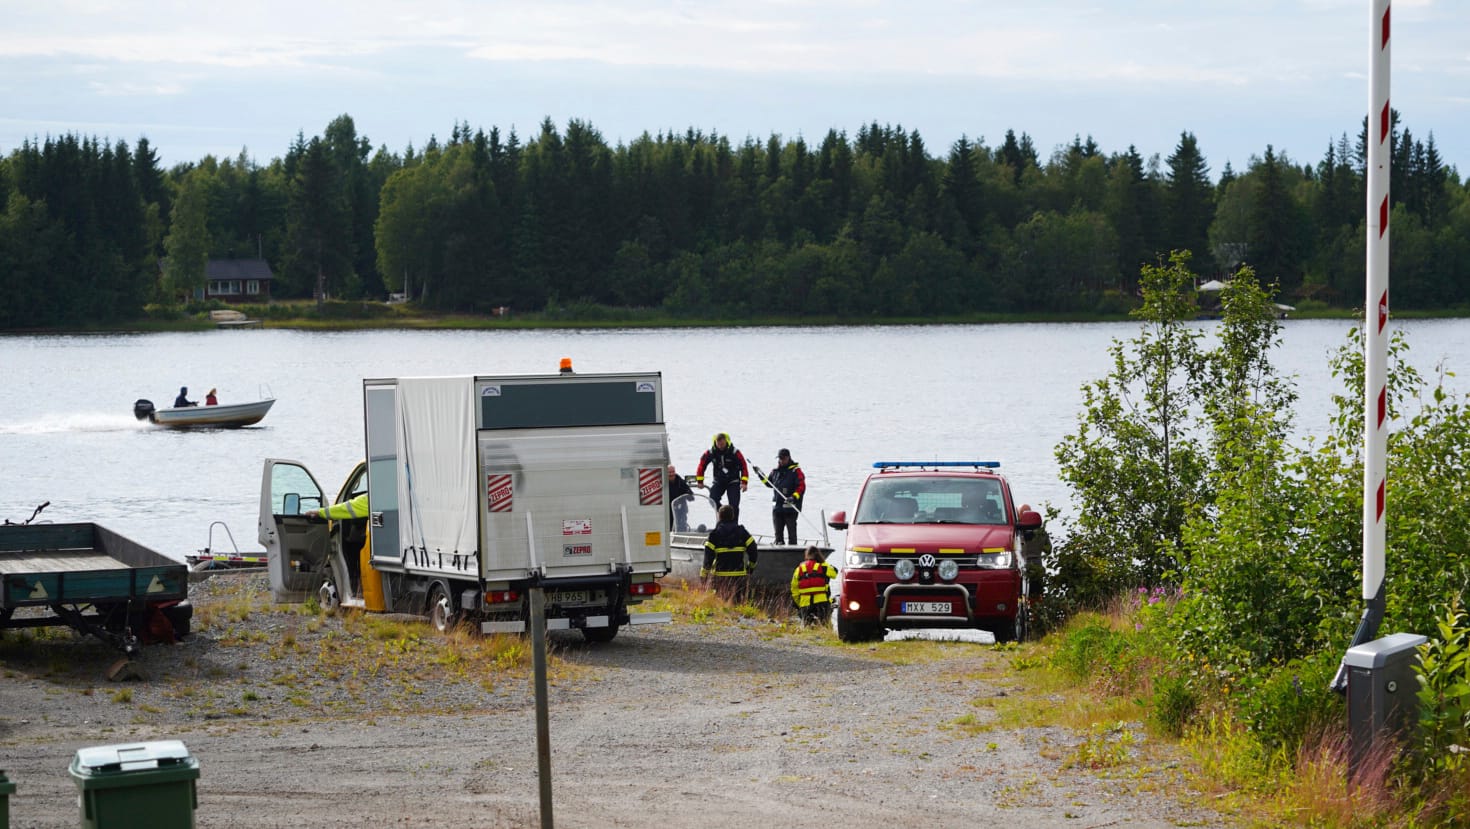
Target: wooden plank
57,561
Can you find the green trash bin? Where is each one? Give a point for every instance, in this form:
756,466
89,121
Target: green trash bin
137,785
7,789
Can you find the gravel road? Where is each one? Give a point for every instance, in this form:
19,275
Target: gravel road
744,724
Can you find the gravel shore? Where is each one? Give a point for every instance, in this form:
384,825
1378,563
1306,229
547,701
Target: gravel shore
741,723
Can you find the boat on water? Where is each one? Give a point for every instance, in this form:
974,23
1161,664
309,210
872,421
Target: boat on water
224,416
776,562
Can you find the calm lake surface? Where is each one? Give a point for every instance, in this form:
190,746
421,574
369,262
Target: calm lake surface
838,398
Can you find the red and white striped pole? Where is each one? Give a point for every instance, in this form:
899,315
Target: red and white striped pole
1375,320
1375,338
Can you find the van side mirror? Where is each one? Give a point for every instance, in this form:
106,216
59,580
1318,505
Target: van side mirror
839,520
1029,519
291,504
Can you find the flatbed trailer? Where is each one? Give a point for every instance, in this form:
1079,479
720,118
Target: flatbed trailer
90,579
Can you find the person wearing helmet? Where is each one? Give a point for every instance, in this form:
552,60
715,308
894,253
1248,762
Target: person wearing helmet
731,475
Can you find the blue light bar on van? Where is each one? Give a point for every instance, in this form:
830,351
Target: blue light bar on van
897,464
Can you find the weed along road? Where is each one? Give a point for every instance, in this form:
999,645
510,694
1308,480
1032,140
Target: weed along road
723,718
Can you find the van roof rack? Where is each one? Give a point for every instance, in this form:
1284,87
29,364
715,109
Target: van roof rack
923,464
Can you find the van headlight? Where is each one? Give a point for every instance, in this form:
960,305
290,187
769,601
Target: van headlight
994,561
904,569
861,561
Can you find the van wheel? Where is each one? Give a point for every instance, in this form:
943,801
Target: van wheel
1016,629
849,631
441,609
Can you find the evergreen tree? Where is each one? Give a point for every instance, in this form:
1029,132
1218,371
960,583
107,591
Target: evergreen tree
1189,197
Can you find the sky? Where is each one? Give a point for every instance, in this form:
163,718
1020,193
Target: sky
201,79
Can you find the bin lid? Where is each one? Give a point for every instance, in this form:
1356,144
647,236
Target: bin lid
1376,654
131,756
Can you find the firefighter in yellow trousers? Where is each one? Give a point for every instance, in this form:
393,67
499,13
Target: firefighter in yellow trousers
811,587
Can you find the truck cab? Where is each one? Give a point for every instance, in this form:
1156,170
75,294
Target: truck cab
933,544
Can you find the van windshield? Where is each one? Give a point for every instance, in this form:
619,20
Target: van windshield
931,500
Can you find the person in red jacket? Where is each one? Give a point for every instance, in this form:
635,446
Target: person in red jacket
731,475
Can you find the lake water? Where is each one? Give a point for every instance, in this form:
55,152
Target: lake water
838,398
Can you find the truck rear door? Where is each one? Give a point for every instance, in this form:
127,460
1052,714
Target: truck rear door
572,502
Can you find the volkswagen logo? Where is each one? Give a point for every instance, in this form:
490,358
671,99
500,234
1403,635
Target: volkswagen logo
926,560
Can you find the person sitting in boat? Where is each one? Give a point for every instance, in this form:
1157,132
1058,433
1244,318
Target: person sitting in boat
183,399
679,497
210,399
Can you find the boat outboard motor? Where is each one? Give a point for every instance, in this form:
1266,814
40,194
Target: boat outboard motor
143,409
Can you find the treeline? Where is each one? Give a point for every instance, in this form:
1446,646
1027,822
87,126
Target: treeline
873,225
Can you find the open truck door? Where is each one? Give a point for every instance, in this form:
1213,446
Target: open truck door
297,547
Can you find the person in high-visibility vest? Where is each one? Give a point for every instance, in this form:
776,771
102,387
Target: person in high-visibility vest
354,508
730,554
811,587
372,581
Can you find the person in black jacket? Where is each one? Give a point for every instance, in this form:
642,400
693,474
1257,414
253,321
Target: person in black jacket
730,553
790,484
679,497
731,475
183,399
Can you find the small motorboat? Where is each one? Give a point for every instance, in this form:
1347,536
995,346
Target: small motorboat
227,416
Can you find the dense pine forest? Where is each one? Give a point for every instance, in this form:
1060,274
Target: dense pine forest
854,227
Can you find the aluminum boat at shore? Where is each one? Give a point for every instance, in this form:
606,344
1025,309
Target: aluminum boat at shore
775,563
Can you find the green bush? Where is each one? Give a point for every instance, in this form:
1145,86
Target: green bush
1174,704
1292,704
1089,647
1444,693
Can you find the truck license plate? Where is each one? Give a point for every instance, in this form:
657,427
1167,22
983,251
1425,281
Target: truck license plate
568,597
928,608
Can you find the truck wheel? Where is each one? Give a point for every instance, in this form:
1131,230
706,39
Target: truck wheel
441,609
327,598
600,634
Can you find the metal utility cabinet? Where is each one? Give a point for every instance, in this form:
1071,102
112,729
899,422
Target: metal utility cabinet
1382,693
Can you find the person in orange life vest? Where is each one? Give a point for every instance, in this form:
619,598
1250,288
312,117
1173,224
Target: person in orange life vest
790,484
729,471
811,587
210,399
730,554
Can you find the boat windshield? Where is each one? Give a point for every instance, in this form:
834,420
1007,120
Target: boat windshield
931,500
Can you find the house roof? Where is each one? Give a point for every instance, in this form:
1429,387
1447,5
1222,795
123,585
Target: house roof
1213,285
238,269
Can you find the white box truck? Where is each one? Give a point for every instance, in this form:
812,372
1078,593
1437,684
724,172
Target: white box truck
479,489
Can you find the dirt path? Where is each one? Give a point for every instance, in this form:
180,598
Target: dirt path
744,725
